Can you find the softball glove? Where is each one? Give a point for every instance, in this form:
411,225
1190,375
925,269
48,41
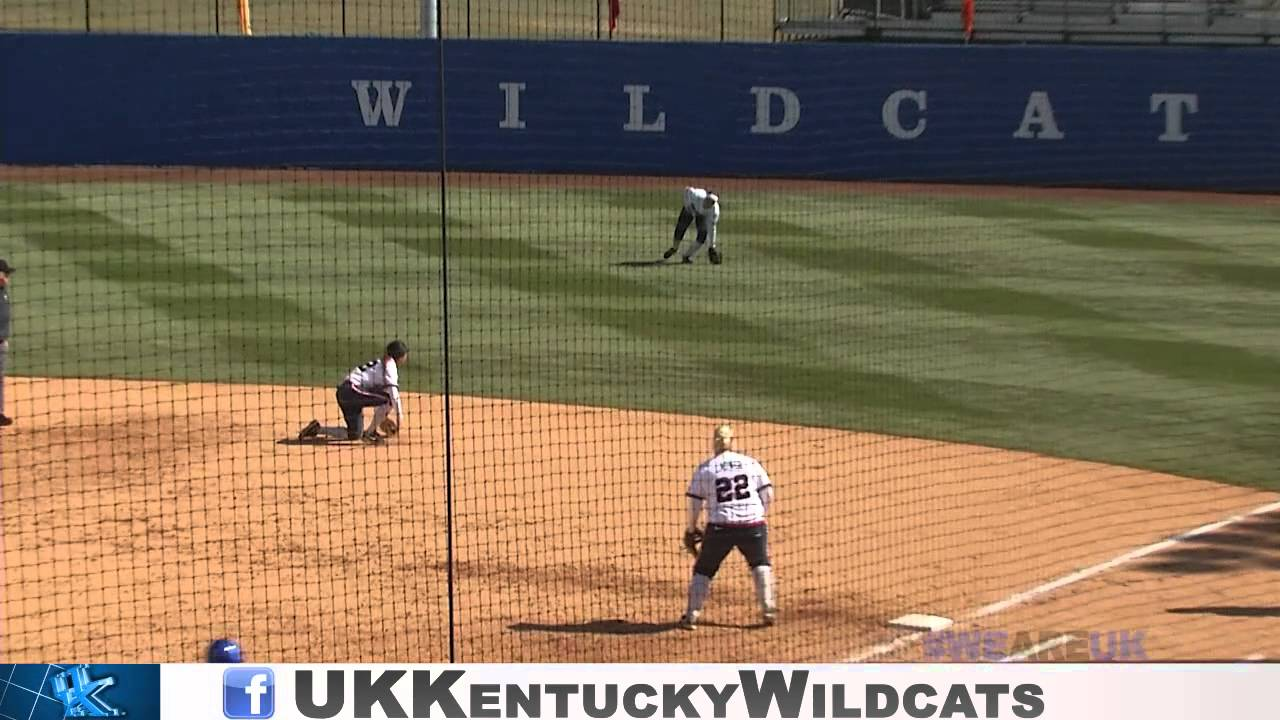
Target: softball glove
692,539
390,426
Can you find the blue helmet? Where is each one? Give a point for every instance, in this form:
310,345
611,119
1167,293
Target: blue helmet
225,650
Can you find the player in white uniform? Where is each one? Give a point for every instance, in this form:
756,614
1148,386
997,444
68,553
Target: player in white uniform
702,206
374,384
737,493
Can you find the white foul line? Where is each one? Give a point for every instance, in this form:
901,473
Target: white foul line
886,648
1039,648
1075,577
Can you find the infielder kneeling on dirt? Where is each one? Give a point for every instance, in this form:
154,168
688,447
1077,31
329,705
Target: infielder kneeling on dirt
737,493
703,207
374,384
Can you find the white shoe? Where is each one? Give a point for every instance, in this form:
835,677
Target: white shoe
688,623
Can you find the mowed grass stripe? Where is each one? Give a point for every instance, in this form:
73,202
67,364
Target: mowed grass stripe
1238,275
107,248
1095,235
994,301
1202,363
1136,338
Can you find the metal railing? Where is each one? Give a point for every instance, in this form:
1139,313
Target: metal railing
681,20
1236,22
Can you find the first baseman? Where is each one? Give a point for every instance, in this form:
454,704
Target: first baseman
5,271
737,493
703,207
374,384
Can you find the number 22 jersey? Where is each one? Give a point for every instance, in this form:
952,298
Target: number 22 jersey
736,488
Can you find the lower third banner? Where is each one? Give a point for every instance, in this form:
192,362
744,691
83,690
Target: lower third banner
1066,691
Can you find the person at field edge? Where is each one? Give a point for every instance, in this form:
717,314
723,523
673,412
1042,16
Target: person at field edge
701,207
374,384
737,493
224,650
5,326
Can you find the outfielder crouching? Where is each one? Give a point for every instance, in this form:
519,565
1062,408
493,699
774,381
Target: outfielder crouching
703,207
737,492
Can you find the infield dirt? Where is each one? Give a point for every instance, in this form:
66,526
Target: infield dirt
143,518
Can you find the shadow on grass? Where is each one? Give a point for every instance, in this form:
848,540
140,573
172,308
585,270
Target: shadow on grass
643,263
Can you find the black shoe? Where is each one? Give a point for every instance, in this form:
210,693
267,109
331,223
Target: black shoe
686,261
311,430
5,420
372,437
714,255
667,255
353,436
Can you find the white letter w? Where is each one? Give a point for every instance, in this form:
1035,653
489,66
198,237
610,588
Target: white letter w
386,106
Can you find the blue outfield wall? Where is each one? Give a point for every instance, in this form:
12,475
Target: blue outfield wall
1147,117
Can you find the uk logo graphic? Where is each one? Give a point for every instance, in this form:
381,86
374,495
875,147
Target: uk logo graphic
248,693
79,694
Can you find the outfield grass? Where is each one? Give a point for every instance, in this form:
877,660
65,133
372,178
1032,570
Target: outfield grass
1139,334
750,20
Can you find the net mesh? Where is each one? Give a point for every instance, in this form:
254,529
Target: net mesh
951,387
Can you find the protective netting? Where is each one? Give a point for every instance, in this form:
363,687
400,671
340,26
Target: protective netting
976,402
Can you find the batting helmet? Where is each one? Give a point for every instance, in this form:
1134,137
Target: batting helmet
225,650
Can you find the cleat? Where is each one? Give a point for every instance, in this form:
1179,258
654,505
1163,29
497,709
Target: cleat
311,430
714,255
667,255
5,421
687,623
770,617
686,261
372,437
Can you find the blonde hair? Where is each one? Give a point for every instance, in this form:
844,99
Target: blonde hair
723,437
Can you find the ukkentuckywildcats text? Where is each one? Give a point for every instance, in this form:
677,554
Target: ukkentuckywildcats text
395,693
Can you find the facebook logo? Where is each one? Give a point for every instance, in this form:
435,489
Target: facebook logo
248,693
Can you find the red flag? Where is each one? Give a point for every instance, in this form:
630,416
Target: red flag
615,9
966,14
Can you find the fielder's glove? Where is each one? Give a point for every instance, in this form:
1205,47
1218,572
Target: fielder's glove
390,426
692,538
